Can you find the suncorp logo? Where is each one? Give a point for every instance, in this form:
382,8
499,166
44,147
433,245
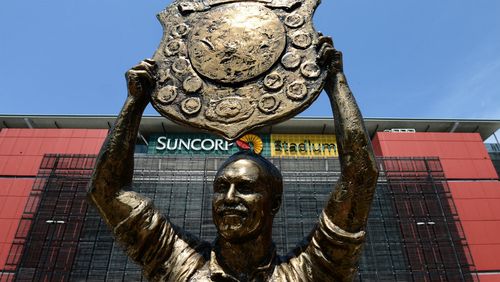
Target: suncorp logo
188,144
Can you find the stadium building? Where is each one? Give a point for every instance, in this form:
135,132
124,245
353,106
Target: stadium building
435,216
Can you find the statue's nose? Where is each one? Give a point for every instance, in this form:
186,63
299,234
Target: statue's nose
231,193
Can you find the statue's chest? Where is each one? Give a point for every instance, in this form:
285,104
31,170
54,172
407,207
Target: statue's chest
230,66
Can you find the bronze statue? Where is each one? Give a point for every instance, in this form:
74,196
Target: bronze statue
247,192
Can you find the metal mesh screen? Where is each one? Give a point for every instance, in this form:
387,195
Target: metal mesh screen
419,223
495,158
413,231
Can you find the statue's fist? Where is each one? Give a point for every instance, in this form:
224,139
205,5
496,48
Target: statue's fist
141,79
328,55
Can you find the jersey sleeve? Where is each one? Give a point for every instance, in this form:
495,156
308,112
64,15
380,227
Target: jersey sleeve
164,252
330,254
335,249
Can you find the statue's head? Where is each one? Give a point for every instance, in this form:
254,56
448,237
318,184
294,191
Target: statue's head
247,195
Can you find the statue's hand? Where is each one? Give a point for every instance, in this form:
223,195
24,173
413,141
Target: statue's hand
141,80
329,56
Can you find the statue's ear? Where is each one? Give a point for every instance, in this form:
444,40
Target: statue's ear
276,205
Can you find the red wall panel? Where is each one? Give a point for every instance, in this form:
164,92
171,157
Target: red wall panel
478,209
15,187
20,165
21,152
469,169
485,256
489,277
477,201
475,190
12,207
13,197
8,230
478,205
482,232
463,157
4,252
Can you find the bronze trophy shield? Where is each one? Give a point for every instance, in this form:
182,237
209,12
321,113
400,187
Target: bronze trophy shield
231,66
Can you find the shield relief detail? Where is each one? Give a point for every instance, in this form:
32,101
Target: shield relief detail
229,66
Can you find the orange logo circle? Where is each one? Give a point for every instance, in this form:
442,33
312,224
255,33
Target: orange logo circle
250,140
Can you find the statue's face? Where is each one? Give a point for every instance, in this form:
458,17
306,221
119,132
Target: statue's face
242,204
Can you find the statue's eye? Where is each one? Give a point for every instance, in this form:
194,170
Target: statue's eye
221,187
245,188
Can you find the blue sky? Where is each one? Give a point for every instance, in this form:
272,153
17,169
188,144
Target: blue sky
403,58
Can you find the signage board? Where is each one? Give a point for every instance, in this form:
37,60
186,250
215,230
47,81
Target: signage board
274,145
194,144
303,146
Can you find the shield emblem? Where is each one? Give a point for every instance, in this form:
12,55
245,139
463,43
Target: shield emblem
229,66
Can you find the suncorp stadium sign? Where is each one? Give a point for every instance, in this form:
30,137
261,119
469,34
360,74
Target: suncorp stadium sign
274,145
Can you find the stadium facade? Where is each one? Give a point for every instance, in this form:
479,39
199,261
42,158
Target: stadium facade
435,216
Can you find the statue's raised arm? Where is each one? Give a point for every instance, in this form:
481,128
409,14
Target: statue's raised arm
341,232
114,168
349,205
148,237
